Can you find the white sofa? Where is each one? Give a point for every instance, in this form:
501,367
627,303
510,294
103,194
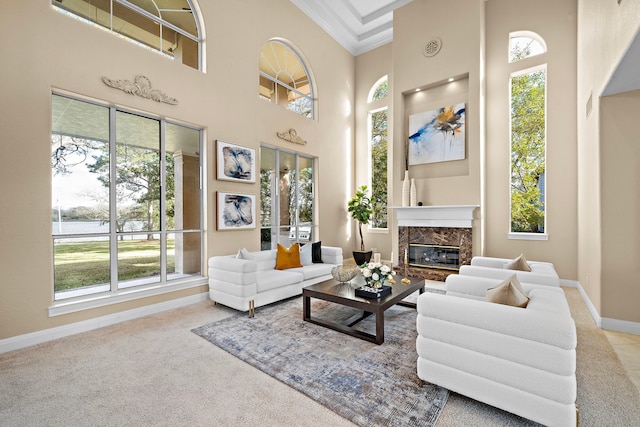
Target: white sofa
542,273
249,279
521,360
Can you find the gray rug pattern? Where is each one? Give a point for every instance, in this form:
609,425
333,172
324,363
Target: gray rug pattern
361,381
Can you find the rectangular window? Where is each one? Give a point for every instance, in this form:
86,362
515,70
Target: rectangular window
286,198
126,199
378,148
528,135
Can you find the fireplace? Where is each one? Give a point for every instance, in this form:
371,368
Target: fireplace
437,240
434,256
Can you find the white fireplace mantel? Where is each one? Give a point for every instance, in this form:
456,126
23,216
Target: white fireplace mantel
455,216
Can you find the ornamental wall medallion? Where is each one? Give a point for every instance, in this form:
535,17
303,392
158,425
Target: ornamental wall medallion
140,86
291,136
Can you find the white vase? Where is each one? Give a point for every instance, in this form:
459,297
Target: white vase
412,193
405,189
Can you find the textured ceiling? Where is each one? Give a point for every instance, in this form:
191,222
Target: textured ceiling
358,25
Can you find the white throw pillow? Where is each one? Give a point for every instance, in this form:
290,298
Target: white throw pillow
305,255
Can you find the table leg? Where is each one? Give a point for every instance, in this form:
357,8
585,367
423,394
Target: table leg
380,327
306,307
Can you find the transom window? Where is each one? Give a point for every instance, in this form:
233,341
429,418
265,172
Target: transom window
524,44
126,200
167,26
284,79
528,143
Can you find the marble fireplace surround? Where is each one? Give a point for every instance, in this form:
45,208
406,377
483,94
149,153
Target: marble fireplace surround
449,225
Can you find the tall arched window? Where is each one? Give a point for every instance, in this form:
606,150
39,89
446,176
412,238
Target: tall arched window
378,150
528,136
284,78
171,28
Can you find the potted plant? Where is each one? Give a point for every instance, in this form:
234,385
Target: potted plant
361,209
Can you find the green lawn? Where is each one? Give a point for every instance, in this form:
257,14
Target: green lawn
80,264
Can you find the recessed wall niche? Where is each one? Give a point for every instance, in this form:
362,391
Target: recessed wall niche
432,97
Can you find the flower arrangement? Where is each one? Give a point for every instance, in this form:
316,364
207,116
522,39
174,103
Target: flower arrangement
375,273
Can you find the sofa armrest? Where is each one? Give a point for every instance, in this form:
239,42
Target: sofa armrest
501,273
331,255
229,263
555,329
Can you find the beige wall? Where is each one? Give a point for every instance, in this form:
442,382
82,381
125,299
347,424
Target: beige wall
620,169
555,22
370,67
461,55
49,51
607,212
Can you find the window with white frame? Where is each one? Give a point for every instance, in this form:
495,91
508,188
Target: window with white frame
528,100
284,78
378,151
170,27
126,200
286,198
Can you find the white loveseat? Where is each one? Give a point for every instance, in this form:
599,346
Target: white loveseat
522,360
542,273
249,279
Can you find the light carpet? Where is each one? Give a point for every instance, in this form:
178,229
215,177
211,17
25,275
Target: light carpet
365,383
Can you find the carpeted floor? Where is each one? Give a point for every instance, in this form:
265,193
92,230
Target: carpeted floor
363,382
154,371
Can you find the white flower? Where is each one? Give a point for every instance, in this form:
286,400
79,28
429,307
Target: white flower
375,276
384,269
366,272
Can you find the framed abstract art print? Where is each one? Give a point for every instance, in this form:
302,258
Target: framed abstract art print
236,211
236,163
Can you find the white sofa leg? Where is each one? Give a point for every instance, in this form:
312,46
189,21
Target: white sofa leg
252,308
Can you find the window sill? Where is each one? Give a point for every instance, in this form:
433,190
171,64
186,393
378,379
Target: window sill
528,236
60,308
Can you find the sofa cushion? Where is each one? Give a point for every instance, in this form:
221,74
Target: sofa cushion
288,258
520,263
306,255
314,270
509,292
273,279
316,252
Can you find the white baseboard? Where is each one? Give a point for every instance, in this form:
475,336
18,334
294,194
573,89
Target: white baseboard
33,338
585,298
603,322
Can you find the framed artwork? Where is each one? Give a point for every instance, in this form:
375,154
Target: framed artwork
437,135
236,211
236,163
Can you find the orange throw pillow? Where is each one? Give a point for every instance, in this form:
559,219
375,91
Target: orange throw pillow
288,258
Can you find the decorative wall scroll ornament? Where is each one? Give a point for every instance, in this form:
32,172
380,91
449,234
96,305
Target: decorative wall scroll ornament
432,47
140,86
291,136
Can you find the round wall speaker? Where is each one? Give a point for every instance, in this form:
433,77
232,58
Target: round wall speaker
432,47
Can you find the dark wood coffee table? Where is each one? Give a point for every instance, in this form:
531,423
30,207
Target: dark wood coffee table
344,294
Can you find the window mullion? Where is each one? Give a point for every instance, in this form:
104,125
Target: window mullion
113,238
163,205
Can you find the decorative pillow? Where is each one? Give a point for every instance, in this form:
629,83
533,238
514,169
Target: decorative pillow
245,254
306,257
509,292
316,252
519,263
288,258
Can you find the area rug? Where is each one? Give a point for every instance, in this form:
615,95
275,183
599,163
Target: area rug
365,383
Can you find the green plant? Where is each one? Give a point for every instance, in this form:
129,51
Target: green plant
361,209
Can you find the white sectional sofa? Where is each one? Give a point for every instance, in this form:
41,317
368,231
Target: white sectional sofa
249,279
522,360
542,273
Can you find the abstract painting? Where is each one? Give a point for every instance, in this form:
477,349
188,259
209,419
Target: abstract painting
437,135
236,211
236,163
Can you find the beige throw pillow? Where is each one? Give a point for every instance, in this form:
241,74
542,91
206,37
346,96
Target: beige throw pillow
509,292
519,263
